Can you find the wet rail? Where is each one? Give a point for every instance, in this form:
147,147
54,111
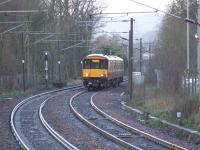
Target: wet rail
135,130
29,130
82,106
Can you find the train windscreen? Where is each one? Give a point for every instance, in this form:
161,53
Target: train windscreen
95,64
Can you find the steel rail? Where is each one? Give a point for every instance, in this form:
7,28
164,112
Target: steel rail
132,129
58,137
13,113
99,130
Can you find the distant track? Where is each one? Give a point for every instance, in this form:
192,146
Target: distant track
29,130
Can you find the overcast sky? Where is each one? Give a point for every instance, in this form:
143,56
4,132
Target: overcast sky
144,24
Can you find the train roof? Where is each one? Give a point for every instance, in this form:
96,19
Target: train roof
109,57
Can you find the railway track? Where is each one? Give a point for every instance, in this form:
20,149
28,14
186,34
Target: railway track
135,130
113,129
29,126
33,131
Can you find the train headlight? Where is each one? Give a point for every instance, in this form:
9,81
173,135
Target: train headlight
86,74
102,75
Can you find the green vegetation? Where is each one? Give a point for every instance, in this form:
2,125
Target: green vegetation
64,18
33,90
165,105
158,124
113,45
165,93
11,94
193,122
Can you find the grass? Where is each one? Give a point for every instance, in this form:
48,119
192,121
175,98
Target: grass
160,105
19,93
74,82
193,122
165,105
156,103
11,94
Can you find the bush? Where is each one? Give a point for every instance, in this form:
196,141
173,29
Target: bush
188,106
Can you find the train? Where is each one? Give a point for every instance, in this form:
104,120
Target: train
101,71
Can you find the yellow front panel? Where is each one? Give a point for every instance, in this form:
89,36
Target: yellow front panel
95,57
93,73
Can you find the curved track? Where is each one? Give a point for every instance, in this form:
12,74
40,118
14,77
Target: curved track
29,130
111,128
135,130
96,128
33,131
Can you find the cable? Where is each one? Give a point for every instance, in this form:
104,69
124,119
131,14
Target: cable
14,22
38,41
71,46
109,32
12,29
2,3
170,14
87,21
157,10
121,13
23,11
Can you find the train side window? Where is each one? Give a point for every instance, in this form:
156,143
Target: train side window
104,64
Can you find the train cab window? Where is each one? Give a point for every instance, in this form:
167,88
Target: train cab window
86,64
95,64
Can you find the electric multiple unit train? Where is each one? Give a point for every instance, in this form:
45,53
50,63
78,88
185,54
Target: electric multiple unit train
100,71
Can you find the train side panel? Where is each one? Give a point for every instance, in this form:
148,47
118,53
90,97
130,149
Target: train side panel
115,69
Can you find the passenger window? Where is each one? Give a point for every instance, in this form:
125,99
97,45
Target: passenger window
104,64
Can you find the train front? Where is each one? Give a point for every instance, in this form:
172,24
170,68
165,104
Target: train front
95,71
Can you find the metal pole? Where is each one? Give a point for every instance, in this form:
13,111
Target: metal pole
129,69
149,55
141,55
188,40
46,69
59,62
198,41
131,61
23,74
23,65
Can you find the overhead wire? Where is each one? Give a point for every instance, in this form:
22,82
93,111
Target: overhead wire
156,9
23,11
2,3
11,29
127,13
71,46
169,14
